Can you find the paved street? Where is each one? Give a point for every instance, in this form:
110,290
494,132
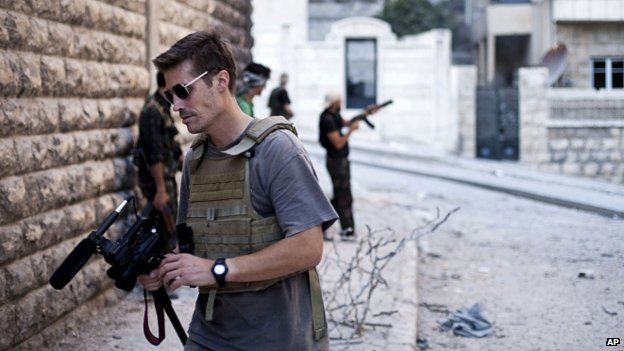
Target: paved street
522,260
547,277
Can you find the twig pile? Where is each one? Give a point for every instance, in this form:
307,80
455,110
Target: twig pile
348,300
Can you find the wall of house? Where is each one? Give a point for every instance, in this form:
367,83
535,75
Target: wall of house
73,75
584,40
571,131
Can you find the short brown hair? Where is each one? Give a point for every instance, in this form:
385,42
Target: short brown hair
206,50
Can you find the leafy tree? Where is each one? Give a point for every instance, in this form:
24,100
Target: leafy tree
415,16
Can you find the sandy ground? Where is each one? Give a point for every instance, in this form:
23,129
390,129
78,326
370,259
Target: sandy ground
521,260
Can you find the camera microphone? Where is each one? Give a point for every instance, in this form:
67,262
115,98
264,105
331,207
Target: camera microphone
108,221
72,264
82,252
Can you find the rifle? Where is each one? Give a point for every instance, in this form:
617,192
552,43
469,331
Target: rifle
364,116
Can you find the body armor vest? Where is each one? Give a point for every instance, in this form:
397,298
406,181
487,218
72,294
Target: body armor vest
223,219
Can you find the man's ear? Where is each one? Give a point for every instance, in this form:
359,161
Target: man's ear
222,80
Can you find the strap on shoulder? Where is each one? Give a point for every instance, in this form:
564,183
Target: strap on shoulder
260,130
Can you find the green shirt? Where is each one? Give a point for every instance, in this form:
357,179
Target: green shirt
245,105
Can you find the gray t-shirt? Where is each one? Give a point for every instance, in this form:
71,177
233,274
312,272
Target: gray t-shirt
283,183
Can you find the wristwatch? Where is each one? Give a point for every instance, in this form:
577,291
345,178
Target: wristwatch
219,270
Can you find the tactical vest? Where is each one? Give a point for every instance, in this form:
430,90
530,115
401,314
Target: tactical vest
223,219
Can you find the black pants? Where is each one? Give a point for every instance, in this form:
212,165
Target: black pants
339,171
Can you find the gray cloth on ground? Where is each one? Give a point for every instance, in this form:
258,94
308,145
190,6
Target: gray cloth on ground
283,182
468,323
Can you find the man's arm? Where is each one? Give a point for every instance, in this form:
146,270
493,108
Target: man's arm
158,173
292,254
339,141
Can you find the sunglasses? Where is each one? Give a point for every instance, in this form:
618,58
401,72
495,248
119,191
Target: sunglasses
181,90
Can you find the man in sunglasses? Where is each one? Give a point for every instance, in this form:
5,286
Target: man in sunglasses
158,157
250,196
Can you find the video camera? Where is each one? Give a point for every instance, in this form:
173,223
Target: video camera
139,251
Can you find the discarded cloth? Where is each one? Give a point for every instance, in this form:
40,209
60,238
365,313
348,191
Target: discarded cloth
468,323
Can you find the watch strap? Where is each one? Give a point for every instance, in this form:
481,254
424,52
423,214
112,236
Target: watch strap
220,278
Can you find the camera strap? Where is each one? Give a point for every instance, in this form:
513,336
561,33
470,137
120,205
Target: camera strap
161,322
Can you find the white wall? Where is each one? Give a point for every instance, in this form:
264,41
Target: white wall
413,71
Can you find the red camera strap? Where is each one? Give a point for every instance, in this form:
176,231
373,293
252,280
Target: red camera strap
161,322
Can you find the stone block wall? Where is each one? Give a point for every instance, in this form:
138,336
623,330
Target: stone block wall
572,131
73,77
586,133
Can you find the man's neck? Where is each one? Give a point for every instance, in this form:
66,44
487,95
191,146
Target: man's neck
229,126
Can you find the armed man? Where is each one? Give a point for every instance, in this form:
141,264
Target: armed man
336,143
251,197
158,156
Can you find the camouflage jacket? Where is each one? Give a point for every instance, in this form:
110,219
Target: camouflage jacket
156,141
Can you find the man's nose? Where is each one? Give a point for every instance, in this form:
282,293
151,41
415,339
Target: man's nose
178,104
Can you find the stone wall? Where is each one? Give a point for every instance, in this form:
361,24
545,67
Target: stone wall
586,133
585,40
73,75
572,131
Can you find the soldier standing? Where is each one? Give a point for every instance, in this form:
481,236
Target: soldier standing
158,157
336,143
279,101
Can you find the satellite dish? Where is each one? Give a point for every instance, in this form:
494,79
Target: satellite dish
556,61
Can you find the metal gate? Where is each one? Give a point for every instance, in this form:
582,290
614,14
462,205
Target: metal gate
497,123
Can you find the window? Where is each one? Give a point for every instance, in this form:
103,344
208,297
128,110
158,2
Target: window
607,72
361,72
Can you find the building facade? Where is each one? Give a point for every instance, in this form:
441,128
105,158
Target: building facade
361,58
508,34
569,116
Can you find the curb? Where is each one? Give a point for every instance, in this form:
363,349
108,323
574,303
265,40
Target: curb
561,190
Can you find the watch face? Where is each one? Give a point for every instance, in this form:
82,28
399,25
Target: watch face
219,269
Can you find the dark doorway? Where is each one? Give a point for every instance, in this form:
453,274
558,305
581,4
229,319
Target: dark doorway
511,53
361,72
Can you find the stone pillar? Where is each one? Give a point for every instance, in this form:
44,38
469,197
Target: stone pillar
533,115
152,38
466,77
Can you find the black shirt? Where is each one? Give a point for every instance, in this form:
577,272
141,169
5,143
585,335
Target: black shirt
330,122
277,100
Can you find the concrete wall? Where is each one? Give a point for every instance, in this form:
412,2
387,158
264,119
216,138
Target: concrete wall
572,131
73,75
588,10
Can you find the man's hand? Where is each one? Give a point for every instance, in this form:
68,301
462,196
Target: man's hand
150,282
354,126
161,199
185,269
370,109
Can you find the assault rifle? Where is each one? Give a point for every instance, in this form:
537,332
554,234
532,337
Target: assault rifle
138,251
364,115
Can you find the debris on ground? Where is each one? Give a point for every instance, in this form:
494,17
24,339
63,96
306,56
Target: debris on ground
586,274
468,323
